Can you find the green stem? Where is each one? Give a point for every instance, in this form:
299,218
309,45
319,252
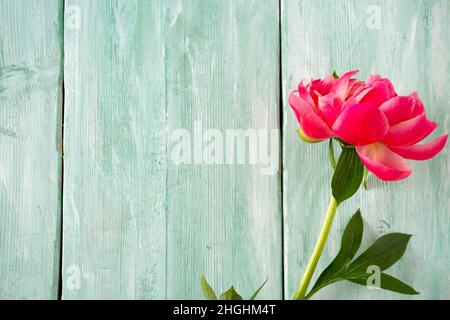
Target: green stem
366,174
331,156
312,264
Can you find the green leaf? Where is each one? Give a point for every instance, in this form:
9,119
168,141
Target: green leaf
335,75
331,156
384,252
387,282
208,292
350,243
258,290
347,176
230,294
351,239
305,138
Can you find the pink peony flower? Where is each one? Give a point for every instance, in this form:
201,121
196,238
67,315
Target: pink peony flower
384,127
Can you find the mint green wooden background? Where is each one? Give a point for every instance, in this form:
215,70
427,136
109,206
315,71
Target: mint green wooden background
30,147
412,48
137,226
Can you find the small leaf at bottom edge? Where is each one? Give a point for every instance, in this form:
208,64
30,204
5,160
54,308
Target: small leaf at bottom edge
230,294
258,290
208,292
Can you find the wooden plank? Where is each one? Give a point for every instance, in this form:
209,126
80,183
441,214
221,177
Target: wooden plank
30,143
136,224
409,44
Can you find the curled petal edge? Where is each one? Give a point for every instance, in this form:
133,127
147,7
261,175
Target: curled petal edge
422,151
383,162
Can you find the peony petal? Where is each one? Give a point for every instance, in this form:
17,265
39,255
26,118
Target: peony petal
361,124
312,89
410,132
377,91
399,109
324,86
342,86
318,88
373,78
327,84
423,151
402,108
384,163
330,107
303,93
375,95
419,108
354,87
312,125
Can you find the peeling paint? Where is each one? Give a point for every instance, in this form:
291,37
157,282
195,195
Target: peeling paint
174,13
8,132
30,96
19,76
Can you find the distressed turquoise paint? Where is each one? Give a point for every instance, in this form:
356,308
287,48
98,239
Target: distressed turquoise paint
411,47
136,225
30,144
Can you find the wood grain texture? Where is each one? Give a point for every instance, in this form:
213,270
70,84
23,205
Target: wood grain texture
30,144
136,225
410,45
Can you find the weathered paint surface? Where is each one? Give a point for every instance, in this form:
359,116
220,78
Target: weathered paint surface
408,43
30,144
136,225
